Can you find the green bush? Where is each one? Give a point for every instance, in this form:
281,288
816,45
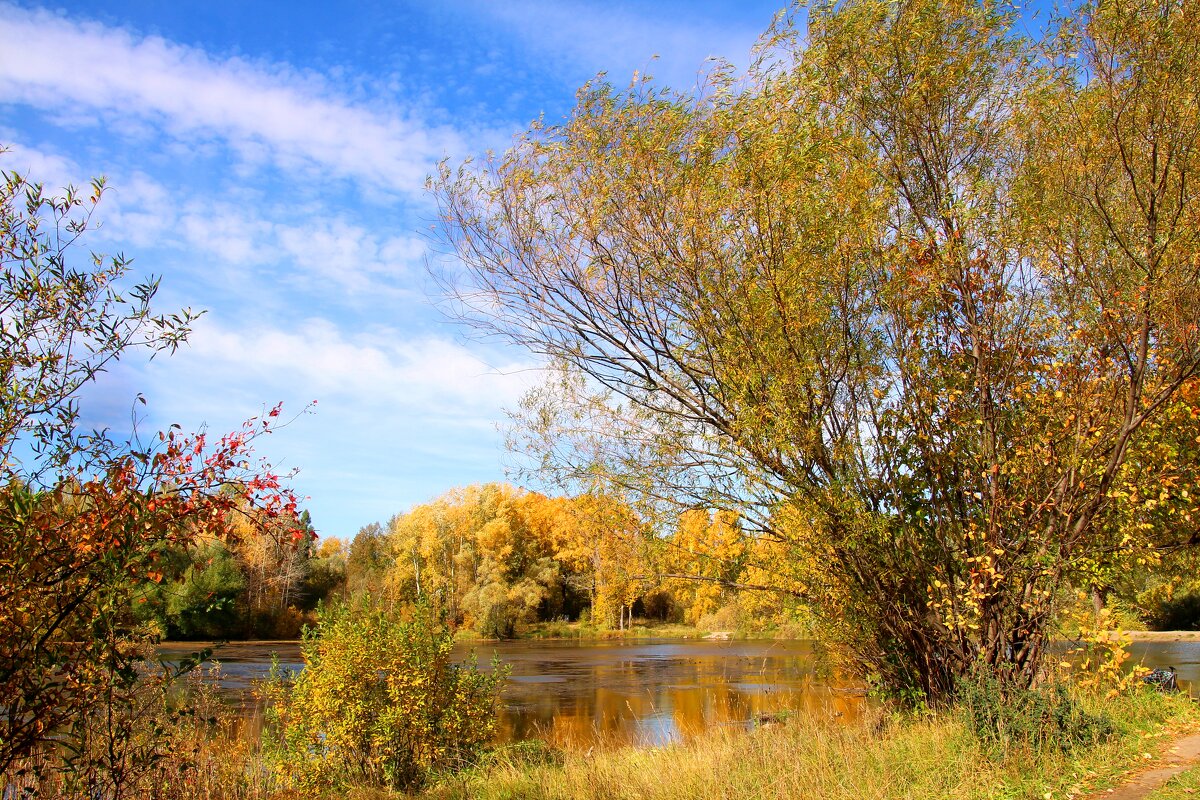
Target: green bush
379,702
500,621
1005,717
204,604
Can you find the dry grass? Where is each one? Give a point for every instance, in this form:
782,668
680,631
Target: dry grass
875,759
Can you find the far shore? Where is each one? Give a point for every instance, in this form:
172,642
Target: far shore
684,632
1158,636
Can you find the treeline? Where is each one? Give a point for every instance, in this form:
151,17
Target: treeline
498,559
263,581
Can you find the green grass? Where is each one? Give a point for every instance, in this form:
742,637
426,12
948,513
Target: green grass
1184,786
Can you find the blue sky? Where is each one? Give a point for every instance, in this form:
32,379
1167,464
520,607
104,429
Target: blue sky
268,159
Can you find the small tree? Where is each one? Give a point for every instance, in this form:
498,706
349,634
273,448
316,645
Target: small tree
380,702
84,519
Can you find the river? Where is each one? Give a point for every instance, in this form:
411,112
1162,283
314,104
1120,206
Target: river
648,692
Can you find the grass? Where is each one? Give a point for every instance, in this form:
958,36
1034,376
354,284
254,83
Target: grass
1184,786
642,629
649,629
879,758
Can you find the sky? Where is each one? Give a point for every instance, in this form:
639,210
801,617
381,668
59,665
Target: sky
267,162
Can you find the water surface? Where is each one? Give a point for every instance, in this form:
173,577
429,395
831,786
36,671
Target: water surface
579,693
648,692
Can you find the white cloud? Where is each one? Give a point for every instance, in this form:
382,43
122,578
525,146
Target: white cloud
423,377
234,237
606,37
398,419
139,211
50,169
349,255
241,242
265,113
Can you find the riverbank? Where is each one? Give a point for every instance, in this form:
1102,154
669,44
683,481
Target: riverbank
829,755
1158,636
882,757
646,629
643,629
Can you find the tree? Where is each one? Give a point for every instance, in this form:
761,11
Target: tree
709,551
85,518
367,559
905,297
276,567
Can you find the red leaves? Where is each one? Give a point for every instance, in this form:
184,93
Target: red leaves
186,489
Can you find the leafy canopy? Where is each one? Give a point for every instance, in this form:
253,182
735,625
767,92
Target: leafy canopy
908,296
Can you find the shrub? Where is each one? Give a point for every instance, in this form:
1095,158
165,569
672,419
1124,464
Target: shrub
379,702
142,738
1171,606
1005,716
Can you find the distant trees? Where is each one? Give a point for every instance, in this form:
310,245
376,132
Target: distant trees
917,298
488,555
255,582
497,559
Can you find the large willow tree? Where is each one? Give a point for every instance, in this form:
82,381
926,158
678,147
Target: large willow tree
908,295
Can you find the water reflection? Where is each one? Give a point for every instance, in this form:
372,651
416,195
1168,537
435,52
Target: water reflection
578,694
654,692
650,692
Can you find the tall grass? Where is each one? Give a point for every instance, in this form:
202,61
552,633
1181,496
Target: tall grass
880,757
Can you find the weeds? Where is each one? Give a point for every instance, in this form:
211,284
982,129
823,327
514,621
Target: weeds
1004,716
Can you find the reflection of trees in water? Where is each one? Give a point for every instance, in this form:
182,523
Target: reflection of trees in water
579,696
653,699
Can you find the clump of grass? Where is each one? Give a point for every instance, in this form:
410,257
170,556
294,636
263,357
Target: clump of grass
1184,786
641,629
809,759
558,629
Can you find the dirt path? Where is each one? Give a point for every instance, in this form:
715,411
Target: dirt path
1182,754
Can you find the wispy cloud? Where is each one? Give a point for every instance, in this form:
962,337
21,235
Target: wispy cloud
396,415
266,113
53,170
424,377
250,247
620,39
349,255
